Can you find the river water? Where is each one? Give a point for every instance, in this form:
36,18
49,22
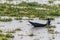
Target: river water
27,29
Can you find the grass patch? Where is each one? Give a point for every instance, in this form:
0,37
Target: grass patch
9,36
6,20
32,12
17,29
0,30
45,18
2,35
31,34
49,18
50,26
18,18
6,36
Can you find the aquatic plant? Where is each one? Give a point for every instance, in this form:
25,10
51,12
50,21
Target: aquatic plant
4,38
5,20
17,29
0,30
31,34
9,36
50,26
2,35
15,11
18,18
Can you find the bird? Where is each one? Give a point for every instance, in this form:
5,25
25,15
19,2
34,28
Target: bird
39,24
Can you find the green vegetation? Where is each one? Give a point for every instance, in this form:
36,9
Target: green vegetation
0,30
2,35
5,19
51,1
45,18
31,34
9,36
6,36
50,26
17,29
29,10
18,18
30,4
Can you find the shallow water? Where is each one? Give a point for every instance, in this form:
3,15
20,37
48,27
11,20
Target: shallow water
27,29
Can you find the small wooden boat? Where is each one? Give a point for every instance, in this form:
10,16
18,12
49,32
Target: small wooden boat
39,24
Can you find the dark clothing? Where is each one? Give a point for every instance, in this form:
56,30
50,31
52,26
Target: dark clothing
48,23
